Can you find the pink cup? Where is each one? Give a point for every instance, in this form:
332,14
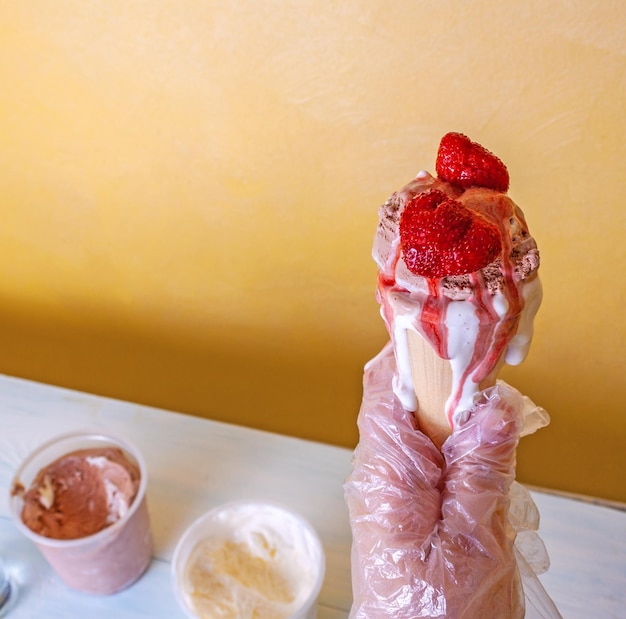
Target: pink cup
107,561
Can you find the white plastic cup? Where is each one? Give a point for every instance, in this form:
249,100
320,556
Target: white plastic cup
107,561
230,522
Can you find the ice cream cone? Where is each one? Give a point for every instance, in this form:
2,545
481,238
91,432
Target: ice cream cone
432,382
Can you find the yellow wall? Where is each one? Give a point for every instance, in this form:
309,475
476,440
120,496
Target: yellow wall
189,189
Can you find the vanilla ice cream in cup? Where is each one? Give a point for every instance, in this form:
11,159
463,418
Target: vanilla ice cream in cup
81,498
249,559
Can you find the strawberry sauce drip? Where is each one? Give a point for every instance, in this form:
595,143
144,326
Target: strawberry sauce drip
431,319
495,331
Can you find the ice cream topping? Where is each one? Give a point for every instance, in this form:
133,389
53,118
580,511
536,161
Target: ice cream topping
81,493
468,164
439,236
458,266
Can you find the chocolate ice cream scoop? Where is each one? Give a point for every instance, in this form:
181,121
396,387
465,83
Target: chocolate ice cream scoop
81,493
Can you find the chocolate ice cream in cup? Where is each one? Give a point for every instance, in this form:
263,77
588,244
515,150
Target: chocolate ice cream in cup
81,498
245,559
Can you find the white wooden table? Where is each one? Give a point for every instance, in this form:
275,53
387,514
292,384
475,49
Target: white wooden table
195,464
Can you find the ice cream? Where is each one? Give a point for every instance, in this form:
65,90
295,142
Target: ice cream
249,560
81,493
228,577
458,283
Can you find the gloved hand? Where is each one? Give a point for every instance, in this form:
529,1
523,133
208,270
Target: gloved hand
431,534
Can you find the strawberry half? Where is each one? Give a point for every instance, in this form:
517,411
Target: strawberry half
468,164
440,237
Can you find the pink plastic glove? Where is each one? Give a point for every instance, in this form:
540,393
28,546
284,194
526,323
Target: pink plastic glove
431,536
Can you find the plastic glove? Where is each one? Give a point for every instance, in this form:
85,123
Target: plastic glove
431,534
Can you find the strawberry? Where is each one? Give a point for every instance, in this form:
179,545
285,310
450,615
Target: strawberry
439,236
468,164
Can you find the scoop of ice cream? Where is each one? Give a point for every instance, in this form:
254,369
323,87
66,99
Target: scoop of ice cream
518,260
81,493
